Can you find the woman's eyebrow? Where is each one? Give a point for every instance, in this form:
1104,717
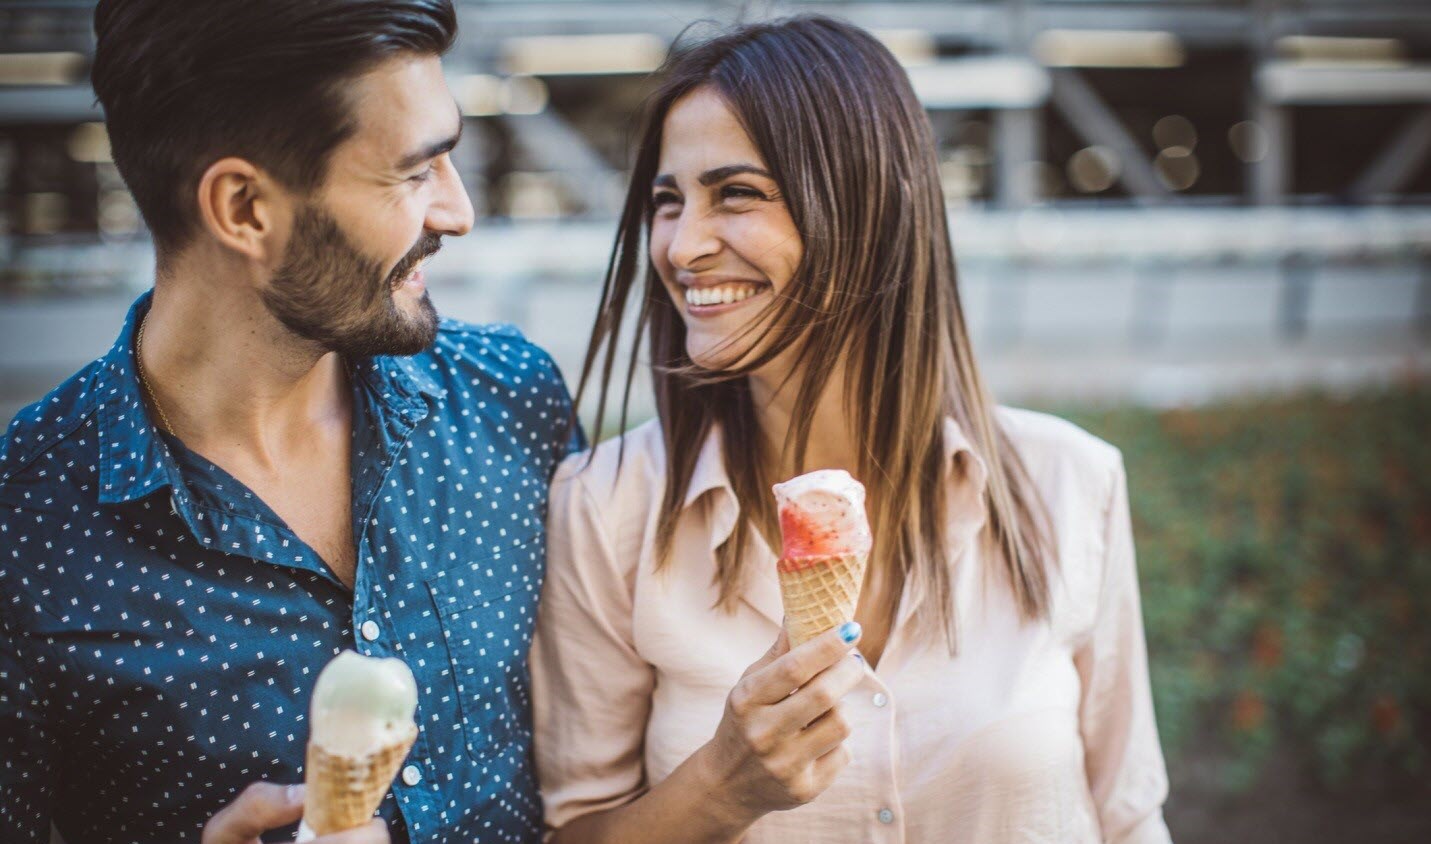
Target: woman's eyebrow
710,177
720,174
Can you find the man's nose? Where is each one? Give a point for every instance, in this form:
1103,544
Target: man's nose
451,209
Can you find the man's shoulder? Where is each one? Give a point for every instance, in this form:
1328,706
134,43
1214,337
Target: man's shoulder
51,425
493,353
48,461
496,338
494,376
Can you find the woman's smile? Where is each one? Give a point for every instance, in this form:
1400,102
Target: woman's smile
720,296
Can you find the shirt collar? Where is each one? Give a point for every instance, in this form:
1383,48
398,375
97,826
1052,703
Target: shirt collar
411,377
967,509
709,472
134,461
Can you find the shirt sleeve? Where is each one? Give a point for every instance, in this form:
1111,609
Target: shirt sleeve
591,690
576,439
28,757
570,436
1125,768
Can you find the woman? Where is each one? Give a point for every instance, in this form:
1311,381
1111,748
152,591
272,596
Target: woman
802,314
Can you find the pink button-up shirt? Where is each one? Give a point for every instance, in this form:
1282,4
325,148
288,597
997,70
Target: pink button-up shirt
1033,732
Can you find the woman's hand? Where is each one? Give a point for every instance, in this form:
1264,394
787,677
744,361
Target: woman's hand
781,741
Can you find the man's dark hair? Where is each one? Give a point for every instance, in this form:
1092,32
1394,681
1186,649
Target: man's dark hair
185,83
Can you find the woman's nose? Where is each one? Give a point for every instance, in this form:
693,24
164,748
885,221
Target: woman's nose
694,238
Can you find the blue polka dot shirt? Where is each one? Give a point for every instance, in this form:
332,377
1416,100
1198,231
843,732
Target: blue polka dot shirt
161,628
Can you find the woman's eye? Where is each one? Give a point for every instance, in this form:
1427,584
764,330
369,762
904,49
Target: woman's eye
663,199
739,192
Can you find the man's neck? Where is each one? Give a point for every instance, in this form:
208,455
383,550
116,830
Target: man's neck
230,378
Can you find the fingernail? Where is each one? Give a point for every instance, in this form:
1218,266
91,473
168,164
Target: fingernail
850,631
294,795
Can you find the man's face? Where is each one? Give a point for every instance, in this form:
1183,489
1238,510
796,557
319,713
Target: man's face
351,279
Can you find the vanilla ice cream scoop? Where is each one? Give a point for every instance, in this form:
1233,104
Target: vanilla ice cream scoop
362,704
823,513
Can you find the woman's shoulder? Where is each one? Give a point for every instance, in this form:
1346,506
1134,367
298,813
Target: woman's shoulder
1080,479
1059,453
625,472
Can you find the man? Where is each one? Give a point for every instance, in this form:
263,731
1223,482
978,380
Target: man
284,455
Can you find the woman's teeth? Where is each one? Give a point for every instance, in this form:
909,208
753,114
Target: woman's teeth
725,294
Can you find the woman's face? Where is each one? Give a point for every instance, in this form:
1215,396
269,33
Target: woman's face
722,239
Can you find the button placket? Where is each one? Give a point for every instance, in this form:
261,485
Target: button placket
882,716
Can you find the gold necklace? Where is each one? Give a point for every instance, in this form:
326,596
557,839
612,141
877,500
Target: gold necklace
144,382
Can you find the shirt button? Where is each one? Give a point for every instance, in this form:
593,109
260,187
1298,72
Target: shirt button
411,775
886,816
370,632
879,699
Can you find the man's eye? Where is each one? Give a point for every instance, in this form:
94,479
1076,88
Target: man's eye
421,177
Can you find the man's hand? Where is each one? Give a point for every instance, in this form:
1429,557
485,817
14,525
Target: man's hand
264,806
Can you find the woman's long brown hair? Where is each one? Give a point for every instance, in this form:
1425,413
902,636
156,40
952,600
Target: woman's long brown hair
840,129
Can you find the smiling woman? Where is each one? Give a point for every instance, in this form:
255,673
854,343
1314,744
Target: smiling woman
786,188
721,235
784,246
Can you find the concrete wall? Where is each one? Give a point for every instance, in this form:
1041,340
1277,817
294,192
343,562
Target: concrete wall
1158,307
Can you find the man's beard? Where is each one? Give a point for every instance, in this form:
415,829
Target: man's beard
329,292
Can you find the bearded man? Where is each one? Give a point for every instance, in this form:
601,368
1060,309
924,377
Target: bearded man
285,454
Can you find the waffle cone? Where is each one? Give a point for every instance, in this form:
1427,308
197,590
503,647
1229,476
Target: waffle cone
819,593
344,791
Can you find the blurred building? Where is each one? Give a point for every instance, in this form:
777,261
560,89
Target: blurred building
1157,201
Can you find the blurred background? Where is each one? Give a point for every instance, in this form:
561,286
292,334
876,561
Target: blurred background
1199,228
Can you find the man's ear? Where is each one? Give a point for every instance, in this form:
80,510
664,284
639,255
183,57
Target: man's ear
242,207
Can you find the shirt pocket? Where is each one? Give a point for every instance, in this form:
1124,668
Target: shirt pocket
486,621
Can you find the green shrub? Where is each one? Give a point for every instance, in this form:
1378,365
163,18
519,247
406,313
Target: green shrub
1284,548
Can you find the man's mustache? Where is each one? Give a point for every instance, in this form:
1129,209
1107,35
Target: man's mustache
427,245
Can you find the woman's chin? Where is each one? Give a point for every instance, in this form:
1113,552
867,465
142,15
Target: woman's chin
713,355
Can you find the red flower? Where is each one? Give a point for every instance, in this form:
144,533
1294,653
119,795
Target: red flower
1385,715
1248,711
1267,646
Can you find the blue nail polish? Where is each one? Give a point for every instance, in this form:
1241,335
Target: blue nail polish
850,631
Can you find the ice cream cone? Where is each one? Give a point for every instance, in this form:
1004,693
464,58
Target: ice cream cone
344,791
361,728
819,592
